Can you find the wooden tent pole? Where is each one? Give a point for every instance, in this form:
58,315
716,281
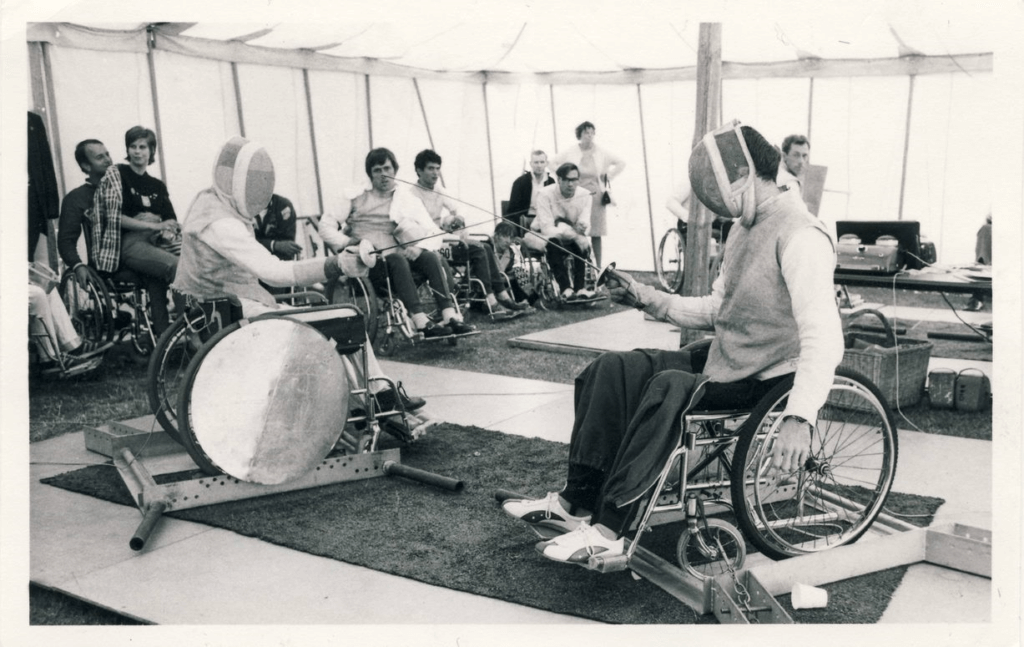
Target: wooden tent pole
490,154
238,98
647,174
150,59
312,140
906,144
709,88
709,94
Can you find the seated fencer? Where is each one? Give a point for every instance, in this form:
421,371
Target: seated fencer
773,312
563,219
391,218
479,256
221,258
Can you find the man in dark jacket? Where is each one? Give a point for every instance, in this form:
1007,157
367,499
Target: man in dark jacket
522,202
43,198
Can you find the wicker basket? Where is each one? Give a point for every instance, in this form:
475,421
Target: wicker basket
896,366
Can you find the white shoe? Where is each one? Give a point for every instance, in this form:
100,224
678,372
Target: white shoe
543,514
585,294
568,293
579,545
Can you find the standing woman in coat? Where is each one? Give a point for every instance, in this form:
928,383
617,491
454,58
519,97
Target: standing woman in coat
597,168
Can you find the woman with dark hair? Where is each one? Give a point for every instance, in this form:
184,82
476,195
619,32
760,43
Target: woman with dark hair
597,168
135,226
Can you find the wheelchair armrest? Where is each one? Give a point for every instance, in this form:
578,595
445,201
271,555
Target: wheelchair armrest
699,345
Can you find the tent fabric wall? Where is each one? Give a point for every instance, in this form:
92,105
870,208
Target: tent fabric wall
197,112
857,125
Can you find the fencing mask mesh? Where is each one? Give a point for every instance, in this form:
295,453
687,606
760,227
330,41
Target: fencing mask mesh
722,173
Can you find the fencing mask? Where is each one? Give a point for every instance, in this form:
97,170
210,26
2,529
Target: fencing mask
244,175
722,173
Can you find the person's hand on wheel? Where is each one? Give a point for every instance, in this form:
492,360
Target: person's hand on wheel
792,445
82,276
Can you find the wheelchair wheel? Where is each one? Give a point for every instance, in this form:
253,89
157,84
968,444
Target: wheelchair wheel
709,551
168,365
838,492
91,307
670,260
358,292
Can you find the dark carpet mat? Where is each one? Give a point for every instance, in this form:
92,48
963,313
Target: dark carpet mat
464,541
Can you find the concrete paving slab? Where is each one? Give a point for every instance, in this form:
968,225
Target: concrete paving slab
468,398
71,535
616,332
926,467
932,593
202,582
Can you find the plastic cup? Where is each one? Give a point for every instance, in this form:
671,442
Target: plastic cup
809,597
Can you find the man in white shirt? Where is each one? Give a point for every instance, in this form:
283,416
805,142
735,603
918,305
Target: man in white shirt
796,156
563,219
774,313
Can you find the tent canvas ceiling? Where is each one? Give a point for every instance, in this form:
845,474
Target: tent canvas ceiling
483,94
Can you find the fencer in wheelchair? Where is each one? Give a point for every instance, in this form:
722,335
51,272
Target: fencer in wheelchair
478,278
809,466
560,231
221,261
394,222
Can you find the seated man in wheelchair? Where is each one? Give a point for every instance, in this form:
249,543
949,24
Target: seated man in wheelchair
563,219
397,224
220,257
773,312
478,255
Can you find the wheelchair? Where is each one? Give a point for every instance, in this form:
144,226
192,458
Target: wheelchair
469,289
294,355
387,319
110,309
51,362
672,252
719,481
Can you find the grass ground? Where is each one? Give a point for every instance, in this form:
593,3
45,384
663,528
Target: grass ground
117,391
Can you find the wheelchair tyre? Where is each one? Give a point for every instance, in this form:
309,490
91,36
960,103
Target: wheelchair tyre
707,552
168,366
670,260
836,495
90,307
358,292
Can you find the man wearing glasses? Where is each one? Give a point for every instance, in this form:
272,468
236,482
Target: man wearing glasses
563,219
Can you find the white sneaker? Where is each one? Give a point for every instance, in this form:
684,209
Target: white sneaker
546,516
579,545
